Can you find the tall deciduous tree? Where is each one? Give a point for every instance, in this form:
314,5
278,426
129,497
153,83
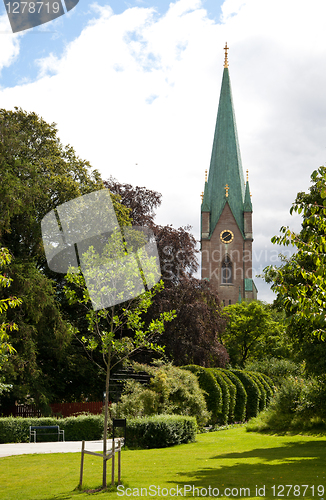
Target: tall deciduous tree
300,281
38,173
251,332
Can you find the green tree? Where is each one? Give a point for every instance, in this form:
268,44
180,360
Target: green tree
251,332
5,346
38,173
299,282
110,274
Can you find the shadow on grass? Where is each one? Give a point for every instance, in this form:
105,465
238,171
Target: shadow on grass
299,463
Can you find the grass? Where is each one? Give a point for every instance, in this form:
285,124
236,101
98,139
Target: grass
230,458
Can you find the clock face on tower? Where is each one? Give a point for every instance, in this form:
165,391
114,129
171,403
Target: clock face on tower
226,236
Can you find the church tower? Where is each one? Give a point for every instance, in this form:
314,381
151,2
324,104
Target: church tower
226,210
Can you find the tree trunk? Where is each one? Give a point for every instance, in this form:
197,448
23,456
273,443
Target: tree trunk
106,418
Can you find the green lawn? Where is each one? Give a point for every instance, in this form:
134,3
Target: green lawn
226,459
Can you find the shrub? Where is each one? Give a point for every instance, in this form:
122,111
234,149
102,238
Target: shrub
233,395
211,390
222,416
171,391
160,431
252,391
299,404
241,397
87,427
268,386
276,369
262,391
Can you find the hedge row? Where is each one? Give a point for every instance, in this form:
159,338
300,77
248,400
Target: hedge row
16,429
160,431
244,393
150,432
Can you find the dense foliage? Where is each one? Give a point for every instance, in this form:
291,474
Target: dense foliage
252,332
241,397
300,283
299,404
170,391
37,173
160,431
211,390
193,337
87,427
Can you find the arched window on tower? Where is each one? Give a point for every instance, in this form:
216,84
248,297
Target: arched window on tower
226,270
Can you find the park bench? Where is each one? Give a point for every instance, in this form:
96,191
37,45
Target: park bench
48,430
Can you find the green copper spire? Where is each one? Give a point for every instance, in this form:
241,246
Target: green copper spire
247,207
225,180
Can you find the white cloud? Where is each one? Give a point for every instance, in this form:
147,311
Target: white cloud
143,88
9,43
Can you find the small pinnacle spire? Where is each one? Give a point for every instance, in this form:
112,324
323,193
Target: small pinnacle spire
226,62
206,175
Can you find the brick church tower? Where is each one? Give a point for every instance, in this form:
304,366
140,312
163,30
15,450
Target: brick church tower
226,210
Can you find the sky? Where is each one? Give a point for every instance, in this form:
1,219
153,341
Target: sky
134,87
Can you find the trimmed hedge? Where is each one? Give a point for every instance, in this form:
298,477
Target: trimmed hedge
160,431
241,397
88,427
212,391
233,395
270,383
262,391
223,415
252,390
268,388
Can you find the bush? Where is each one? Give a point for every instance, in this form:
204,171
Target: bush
223,415
241,397
83,427
88,427
276,369
252,390
268,385
211,390
262,391
160,431
233,395
299,404
171,391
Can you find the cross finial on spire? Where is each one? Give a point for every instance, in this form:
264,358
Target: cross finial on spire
227,190
202,196
247,172
226,62
206,175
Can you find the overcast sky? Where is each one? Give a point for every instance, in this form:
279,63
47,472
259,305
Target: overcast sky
134,88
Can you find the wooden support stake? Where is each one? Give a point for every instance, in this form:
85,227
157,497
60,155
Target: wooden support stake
119,462
113,457
82,465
